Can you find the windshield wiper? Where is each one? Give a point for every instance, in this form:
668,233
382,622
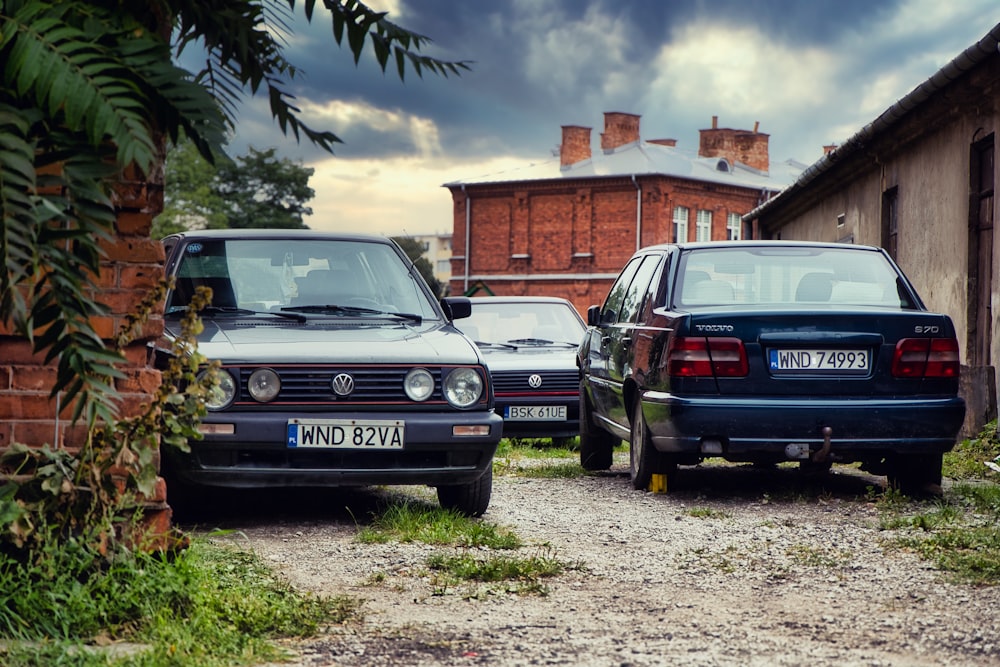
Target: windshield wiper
539,341
490,343
353,310
231,310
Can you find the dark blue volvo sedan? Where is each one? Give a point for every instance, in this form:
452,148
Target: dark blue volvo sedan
769,351
339,368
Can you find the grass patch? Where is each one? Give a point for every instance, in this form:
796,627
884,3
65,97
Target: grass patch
500,573
960,533
210,605
967,459
521,448
706,513
476,570
539,470
521,457
809,556
409,521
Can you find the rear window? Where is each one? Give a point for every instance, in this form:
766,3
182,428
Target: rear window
789,276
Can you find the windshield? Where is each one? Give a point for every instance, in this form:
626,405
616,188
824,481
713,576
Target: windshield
522,322
289,275
789,276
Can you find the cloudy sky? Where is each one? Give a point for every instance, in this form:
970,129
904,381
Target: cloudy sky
811,72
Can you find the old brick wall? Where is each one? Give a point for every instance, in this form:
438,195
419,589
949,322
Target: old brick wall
132,265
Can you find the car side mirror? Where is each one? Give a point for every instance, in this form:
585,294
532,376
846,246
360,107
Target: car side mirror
456,307
594,316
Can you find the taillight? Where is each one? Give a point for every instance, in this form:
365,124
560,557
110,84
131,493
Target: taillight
926,357
705,357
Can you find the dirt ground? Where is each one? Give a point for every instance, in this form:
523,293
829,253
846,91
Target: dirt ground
735,566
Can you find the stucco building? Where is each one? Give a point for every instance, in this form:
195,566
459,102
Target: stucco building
566,226
437,251
919,180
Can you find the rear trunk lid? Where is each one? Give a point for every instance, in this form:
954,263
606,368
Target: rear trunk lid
835,353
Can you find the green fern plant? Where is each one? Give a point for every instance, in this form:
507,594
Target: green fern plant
52,496
88,89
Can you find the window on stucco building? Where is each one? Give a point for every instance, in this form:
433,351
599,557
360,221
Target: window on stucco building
703,226
680,224
733,225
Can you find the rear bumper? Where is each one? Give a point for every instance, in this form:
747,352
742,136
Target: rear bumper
861,429
257,455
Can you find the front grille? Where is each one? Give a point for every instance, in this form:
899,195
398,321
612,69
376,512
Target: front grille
511,382
312,384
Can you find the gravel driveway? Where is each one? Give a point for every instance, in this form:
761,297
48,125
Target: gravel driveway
736,566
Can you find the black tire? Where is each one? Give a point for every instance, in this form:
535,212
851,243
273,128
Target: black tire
644,460
470,499
596,445
916,476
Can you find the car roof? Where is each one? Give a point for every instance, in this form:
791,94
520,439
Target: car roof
265,234
755,244
521,299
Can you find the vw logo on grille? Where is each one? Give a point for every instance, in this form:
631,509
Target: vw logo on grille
342,384
534,380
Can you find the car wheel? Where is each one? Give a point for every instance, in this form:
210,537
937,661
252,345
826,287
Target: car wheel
916,476
644,460
470,499
596,445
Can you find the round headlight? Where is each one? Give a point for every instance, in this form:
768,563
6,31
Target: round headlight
419,384
463,387
264,385
223,393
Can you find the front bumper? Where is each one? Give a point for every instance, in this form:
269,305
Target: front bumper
567,428
744,427
256,453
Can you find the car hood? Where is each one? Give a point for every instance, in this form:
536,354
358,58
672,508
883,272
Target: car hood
527,357
324,341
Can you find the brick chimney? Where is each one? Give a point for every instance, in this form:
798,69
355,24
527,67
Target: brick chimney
664,142
575,145
829,148
619,129
744,146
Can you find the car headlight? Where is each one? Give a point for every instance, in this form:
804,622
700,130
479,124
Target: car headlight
222,395
264,385
463,387
419,384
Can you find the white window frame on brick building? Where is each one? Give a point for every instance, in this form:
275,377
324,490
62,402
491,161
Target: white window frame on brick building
703,226
734,225
680,224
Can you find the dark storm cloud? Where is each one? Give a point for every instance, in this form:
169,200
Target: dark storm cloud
504,99
811,72
539,64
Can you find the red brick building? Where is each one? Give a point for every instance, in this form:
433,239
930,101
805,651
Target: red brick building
565,227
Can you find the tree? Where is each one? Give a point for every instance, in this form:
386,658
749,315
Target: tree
189,199
89,89
415,251
255,190
261,191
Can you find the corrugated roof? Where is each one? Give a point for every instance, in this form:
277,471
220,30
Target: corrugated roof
972,56
642,158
